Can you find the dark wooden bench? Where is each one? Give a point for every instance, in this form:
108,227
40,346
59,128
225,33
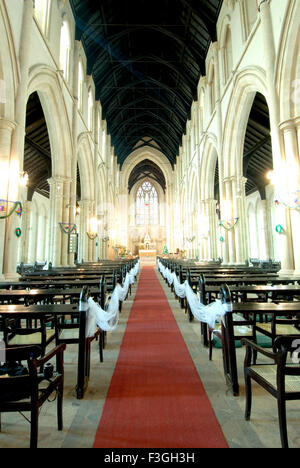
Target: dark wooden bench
252,310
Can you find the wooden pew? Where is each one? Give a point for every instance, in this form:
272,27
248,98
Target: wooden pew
250,310
42,312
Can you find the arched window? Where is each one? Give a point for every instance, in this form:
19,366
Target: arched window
41,12
65,49
146,204
80,84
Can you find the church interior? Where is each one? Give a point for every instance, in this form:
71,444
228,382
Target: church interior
149,211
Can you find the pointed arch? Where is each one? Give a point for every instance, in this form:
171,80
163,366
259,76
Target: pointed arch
246,84
45,82
287,71
86,169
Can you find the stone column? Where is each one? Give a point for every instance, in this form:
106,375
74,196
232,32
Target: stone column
218,117
84,241
56,210
267,227
25,231
287,260
34,236
43,239
212,225
73,184
6,131
66,211
17,148
229,234
240,230
292,157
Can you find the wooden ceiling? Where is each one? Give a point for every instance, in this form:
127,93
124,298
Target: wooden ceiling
37,151
146,58
257,159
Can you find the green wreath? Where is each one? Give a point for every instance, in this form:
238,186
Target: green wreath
18,232
279,229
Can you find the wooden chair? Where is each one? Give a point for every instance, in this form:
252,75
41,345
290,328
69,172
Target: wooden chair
75,333
279,377
236,327
33,333
29,392
279,326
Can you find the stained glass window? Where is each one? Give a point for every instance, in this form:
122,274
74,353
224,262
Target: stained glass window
146,204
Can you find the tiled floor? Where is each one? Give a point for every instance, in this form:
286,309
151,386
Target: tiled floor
81,417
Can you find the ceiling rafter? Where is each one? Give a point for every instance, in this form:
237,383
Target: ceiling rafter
140,51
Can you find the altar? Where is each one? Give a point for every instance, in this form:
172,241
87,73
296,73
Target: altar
147,257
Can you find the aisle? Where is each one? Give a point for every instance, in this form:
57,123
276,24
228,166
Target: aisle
156,398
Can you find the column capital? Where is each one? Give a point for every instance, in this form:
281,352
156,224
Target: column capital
58,180
291,124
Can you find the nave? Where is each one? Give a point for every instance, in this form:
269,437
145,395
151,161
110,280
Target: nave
81,417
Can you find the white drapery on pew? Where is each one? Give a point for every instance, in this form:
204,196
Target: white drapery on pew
108,320
210,314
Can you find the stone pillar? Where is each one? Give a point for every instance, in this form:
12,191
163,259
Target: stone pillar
84,241
26,215
56,210
212,225
17,147
34,236
267,227
285,240
73,183
6,131
43,239
66,187
218,118
292,157
228,234
240,230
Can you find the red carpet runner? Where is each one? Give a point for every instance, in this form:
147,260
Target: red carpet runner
156,398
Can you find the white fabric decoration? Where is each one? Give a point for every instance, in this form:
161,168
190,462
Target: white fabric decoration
210,313
107,320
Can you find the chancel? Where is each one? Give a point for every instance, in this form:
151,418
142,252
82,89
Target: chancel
149,224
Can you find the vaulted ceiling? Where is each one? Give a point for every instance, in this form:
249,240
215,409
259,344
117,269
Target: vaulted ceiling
146,169
146,58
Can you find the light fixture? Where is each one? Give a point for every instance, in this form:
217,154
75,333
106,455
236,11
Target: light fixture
23,179
92,233
286,185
